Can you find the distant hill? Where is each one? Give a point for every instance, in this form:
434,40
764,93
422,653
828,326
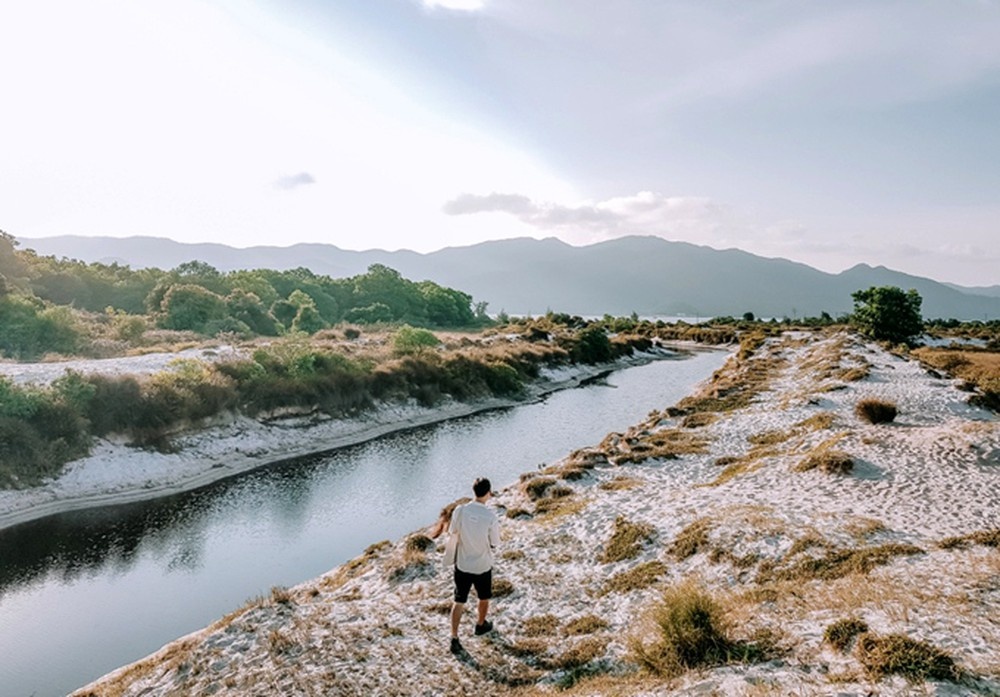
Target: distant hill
646,275
989,291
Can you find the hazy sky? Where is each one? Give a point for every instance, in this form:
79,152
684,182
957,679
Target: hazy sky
830,132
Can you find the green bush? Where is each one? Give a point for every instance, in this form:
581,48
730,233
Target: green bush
887,313
408,340
592,346
28,329
39,432
188,306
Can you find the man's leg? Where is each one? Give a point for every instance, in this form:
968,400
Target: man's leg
456,617
482,608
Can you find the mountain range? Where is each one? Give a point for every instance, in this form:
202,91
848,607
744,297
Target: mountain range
646,275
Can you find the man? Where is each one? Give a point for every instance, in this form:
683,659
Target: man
476,532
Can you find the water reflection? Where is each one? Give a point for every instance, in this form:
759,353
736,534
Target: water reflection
140,575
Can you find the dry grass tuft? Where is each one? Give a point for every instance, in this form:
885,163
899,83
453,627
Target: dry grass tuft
581,653
626,540
817,422
838,563
587,624
665,444
987,538
980,367
540,625
691,540
502,588
736,466
419,543
641,576
535,487
841,633
690,632
281,596
900,655
875,411
854,374
699,420
829,461
862,528
769,437
619,483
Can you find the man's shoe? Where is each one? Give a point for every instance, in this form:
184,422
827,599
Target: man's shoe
484,628
456,646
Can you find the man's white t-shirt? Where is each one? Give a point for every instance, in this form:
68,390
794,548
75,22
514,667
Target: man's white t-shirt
478,533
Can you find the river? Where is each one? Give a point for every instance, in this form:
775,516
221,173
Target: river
85,592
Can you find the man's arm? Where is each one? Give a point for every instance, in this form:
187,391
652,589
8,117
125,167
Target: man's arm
495,533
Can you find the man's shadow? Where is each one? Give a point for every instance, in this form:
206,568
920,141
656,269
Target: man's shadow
495,673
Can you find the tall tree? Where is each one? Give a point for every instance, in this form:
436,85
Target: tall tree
887,313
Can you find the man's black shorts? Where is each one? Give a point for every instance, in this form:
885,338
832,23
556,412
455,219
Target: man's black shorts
464,581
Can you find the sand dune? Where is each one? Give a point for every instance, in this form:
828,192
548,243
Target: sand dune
727,484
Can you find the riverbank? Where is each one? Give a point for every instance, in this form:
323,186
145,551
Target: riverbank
115,473
729,491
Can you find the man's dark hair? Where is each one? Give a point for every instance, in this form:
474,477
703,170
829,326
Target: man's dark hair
481,487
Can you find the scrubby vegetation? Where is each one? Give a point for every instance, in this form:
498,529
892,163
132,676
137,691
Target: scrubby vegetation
62,306
45,427
979,367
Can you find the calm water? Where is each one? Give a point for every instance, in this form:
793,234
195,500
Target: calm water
83,593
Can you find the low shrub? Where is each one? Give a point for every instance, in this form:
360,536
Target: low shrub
900,655
875,411
841,633
40,430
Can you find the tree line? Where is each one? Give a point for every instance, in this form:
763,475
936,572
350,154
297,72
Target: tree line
41,298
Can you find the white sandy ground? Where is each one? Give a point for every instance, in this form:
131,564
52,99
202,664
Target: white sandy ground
115,473
377,625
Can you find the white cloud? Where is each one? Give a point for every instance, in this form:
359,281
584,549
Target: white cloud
462,5
294,181
645,213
